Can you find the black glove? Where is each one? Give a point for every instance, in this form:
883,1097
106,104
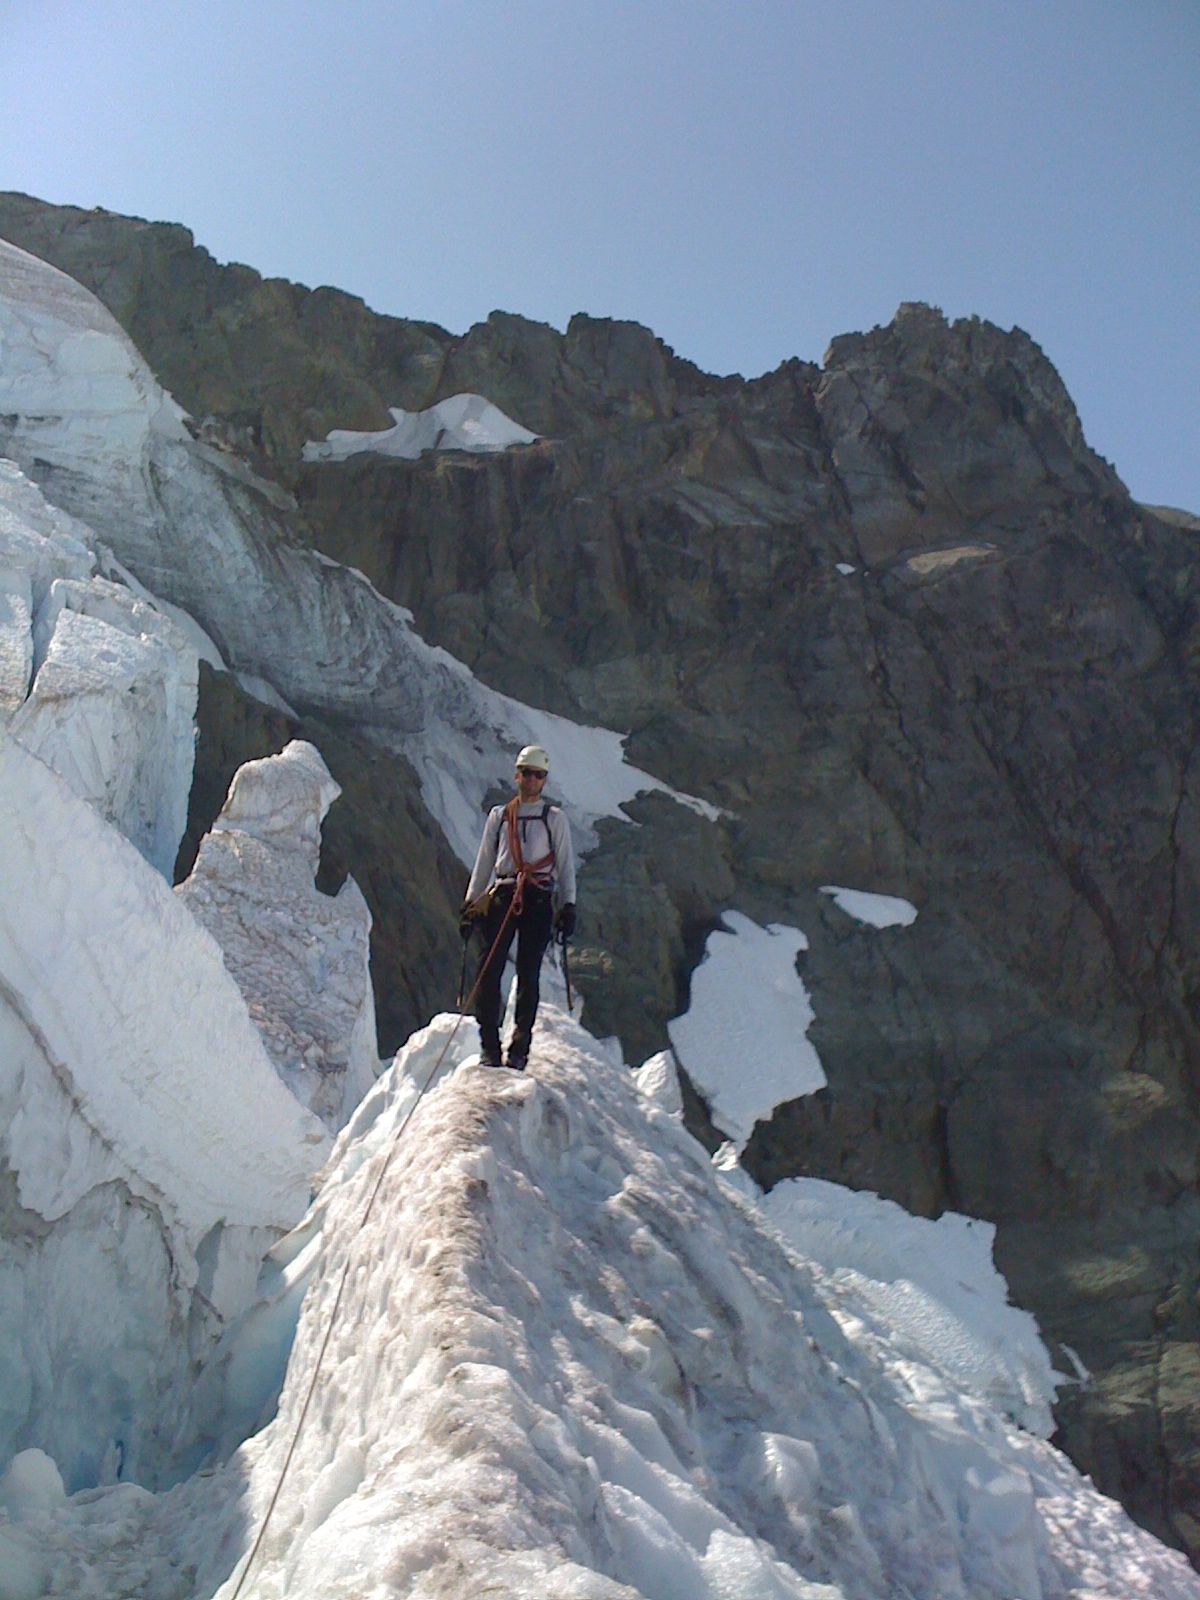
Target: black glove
466,926
564,921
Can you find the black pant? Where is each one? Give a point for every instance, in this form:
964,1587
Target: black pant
532,932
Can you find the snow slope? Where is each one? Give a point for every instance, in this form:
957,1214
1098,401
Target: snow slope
569,1362
924,1290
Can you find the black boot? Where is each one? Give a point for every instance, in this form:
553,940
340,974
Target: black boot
518,1050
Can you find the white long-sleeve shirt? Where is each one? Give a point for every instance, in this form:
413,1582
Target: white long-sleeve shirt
494,859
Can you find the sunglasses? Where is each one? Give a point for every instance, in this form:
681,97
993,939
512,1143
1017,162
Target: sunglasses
530,772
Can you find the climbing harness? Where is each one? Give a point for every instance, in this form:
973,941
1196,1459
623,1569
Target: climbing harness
383,1171
535,872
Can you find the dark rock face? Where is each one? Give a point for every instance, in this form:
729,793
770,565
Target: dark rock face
272,364
994,715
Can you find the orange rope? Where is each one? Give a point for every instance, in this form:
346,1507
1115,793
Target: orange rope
536,870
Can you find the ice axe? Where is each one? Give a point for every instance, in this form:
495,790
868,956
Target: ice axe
462,976
566,966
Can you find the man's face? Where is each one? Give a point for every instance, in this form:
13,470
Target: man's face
529,783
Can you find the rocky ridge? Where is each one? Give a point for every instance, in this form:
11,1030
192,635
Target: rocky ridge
992,715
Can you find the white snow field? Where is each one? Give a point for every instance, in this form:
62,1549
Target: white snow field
82,414
461,422
569,1362
301,958
748,1005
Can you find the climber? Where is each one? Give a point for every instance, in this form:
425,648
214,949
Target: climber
525,866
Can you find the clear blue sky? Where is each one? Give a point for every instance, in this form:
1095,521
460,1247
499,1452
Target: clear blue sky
747,178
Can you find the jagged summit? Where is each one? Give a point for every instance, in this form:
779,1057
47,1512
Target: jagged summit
921,339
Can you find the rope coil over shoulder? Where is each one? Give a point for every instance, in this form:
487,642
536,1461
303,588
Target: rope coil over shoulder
536,872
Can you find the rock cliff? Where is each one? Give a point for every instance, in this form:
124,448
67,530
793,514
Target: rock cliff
898,621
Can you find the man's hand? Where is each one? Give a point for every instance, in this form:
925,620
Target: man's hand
564,921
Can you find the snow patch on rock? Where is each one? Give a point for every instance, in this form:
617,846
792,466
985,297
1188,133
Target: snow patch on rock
748,1004
930,561
461,422
875,910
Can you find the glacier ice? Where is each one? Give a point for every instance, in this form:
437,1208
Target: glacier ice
300,957
658,1080
148,1151
94,679
111,710
128,1000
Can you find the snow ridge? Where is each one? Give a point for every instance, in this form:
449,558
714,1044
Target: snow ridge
570,1364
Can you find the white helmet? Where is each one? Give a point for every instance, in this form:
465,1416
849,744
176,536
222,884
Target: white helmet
533,756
